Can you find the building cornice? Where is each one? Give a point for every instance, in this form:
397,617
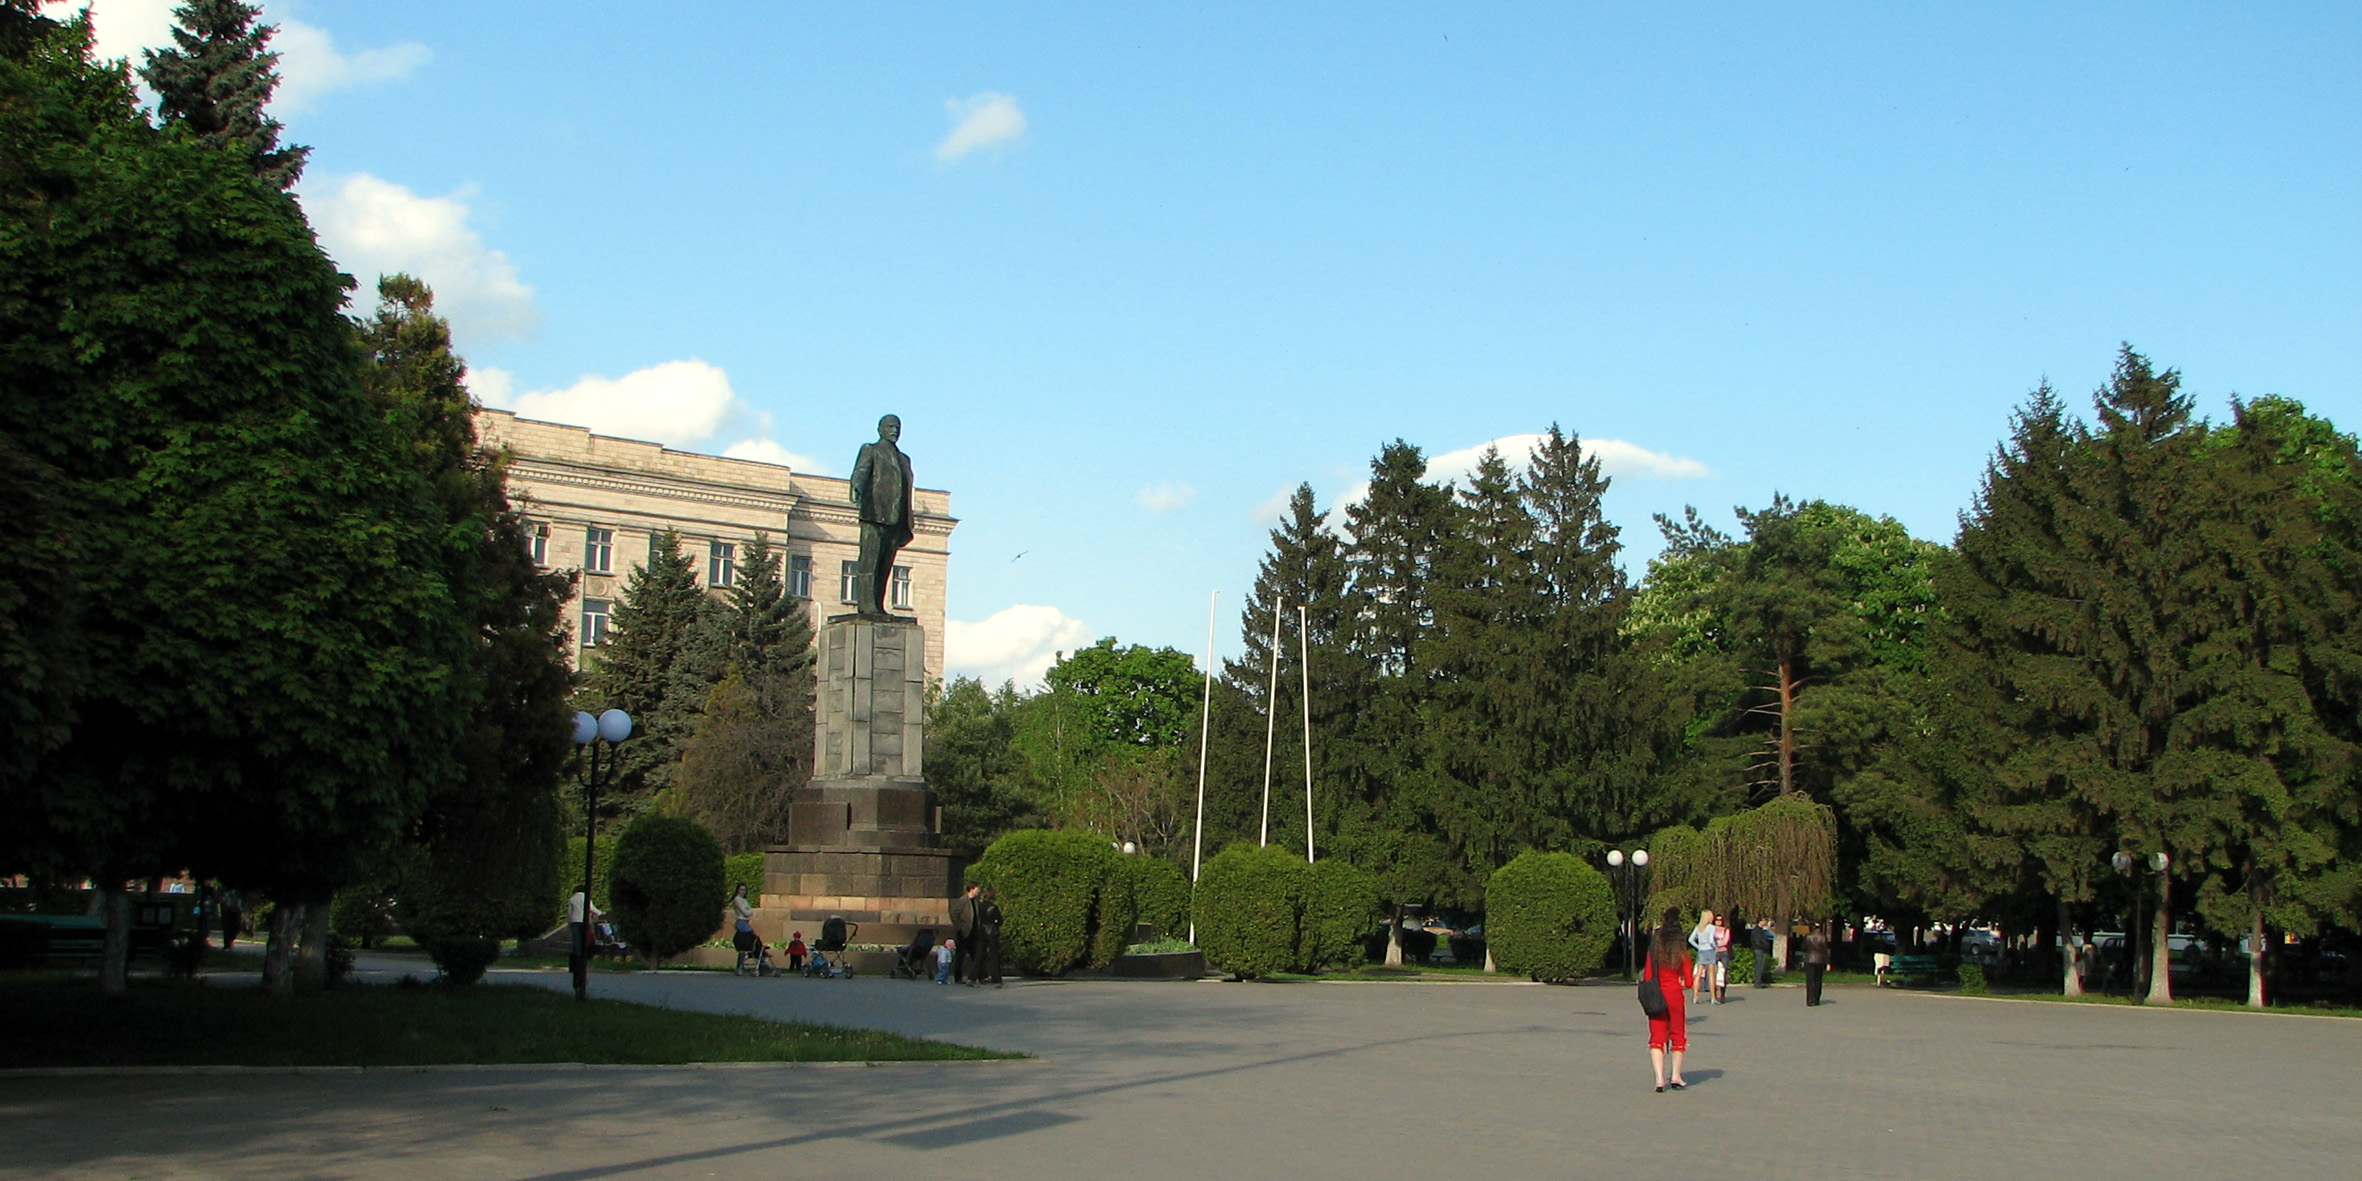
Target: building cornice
559,472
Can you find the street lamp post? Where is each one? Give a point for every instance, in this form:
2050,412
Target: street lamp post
1627,906
2140,869
608,728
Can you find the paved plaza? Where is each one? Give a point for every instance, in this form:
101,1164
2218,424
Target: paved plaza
1153,1080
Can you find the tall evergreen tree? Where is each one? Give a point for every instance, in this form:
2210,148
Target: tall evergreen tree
750,745
217,79
483,861
640,670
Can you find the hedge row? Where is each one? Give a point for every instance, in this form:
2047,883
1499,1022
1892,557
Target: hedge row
1069,900
1262,910
1549,916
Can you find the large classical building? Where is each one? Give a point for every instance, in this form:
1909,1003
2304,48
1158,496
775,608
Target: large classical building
598,502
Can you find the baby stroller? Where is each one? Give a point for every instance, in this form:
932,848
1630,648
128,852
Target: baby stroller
828,954
911,960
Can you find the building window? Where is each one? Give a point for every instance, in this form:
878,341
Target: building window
901,586
721,566
799,576
848,581
594,622
539,544
598,551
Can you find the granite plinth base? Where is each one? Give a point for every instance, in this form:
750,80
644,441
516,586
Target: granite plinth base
892,892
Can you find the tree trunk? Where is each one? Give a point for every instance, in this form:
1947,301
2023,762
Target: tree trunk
2071,982
2161,945
1787,724
2255,962
1488,958
1394,943
1779,951
114,965
311,960
278,957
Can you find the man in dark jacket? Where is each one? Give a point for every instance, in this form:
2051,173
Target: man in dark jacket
1761,935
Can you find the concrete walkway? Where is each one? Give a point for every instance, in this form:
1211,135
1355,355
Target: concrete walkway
1153,1080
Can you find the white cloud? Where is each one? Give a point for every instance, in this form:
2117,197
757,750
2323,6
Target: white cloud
1165,498
374,227
1274,510
1617,458
770,452
677,403
979,121
310,65
1017,643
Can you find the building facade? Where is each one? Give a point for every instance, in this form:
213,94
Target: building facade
597,503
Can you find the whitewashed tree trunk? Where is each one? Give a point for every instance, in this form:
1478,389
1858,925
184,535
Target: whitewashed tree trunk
2255,963
311,959
2070,954
1394,945
1779,951
2161,946
278,957
114,965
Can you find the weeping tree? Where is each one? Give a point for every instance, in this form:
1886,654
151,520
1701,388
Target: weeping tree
1778,860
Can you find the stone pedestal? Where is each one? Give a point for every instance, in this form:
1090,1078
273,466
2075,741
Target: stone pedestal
862,836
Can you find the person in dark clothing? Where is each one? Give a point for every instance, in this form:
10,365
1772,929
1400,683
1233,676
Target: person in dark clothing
986,964
1761,936
963,933
1816,961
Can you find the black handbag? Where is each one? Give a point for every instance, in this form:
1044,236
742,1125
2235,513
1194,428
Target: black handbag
1652,995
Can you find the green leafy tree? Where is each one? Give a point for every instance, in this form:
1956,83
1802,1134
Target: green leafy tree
276,660
751,745
217,78
972,767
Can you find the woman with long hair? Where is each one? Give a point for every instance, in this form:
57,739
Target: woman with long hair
1701,941
1669,965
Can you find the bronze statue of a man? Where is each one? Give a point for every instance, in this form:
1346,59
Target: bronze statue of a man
881,498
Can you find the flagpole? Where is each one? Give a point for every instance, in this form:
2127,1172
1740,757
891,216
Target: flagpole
1304,664
1270,716
1205,726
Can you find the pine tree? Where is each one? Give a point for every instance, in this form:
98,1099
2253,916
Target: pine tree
483,860
749,745
219,79
640,670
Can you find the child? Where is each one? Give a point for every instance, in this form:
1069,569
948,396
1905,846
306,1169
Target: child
795,953
943,962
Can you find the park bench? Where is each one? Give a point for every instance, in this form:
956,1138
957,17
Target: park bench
1909,967
28,939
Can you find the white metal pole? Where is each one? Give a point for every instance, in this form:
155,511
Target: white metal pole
1205,727
1270,717
1304,664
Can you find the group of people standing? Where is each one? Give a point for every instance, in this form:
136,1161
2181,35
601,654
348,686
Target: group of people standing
975,942
1700,962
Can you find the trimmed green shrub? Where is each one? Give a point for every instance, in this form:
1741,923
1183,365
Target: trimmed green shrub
1742,967
1550,916
1160,895
602,876
464,958
1972,980
1250,909
1340,908
745,869
669,885
363,913
1053,889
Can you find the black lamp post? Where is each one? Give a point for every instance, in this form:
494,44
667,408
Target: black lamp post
2141,869
1627,904
609,728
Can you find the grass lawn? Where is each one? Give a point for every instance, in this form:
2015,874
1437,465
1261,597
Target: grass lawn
60,1020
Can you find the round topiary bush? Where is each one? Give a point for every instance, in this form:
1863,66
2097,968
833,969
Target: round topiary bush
463,958
1250,908
669,887
1053,889
1340,908
1160,894
1549,916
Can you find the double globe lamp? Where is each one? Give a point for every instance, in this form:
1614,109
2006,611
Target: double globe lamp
609,728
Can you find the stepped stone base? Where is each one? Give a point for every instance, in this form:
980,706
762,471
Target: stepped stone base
892,892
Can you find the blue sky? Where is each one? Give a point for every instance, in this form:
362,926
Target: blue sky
1179,261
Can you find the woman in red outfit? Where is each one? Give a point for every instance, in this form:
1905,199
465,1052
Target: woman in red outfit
1669,965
